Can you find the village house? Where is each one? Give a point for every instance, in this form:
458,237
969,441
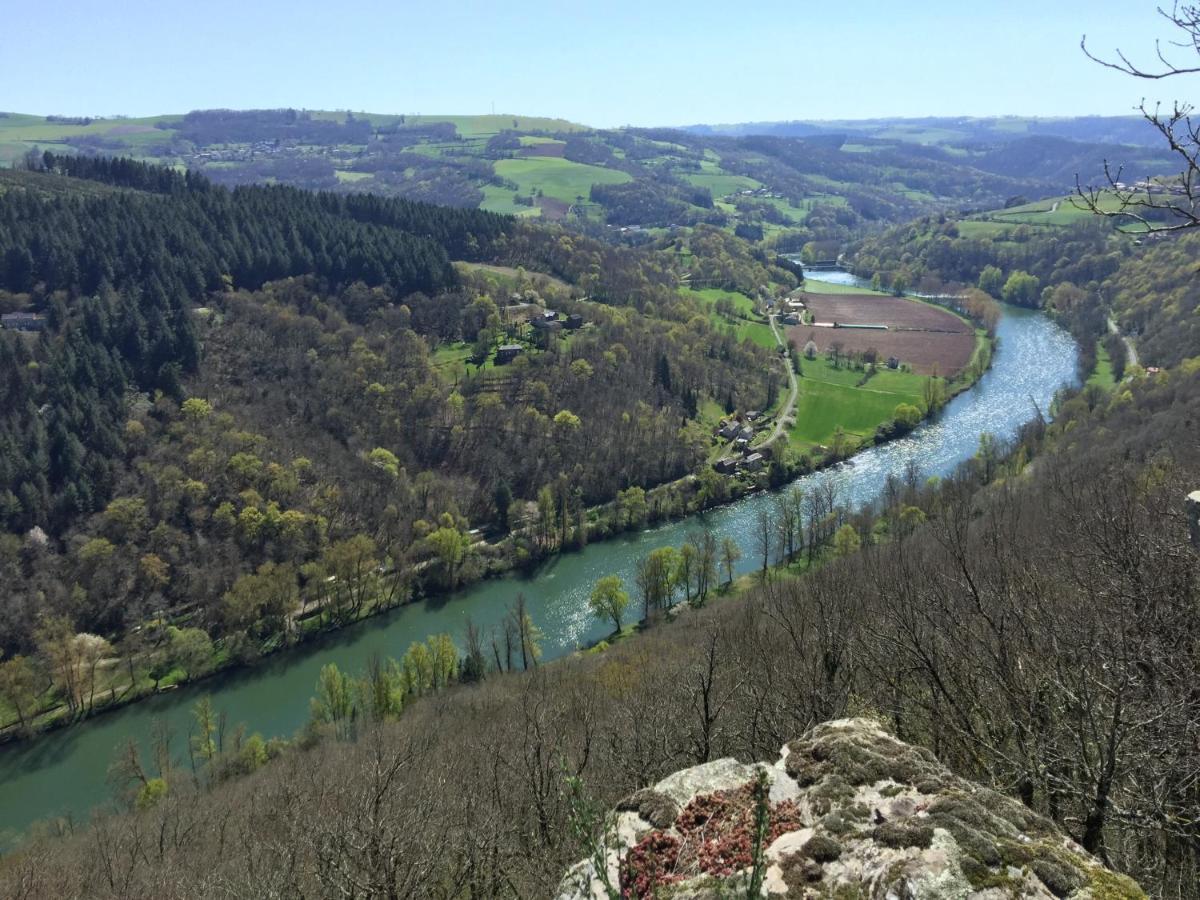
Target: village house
753,462
506,353
725,466
729,430
574,321
23,321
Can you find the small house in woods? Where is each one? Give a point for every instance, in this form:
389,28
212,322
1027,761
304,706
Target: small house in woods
23,321
574,321
546,322
725,466
506,353
730,430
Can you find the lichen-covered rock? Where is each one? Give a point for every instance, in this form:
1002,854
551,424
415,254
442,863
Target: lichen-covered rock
848,811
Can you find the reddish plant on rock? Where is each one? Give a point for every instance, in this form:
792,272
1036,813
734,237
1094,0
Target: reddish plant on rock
716,837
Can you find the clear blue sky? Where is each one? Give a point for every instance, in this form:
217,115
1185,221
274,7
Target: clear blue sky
639,62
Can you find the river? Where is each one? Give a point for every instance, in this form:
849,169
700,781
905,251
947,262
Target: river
63,772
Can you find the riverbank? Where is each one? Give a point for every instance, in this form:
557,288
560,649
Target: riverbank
689,496
64,774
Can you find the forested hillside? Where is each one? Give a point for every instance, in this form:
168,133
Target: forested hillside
1032,623
244,416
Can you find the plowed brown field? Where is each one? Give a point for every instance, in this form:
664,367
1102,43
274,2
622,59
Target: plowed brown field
919,335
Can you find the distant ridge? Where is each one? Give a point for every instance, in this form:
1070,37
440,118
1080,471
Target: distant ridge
1128,130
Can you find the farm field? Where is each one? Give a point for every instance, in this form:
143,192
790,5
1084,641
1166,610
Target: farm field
721,185
743,304
920,335
830,397
500,200
1056,212
560,179
812,286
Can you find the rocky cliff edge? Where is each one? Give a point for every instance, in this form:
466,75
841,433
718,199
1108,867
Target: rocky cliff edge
847,812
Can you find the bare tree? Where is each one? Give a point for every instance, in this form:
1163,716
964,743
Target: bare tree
1160,207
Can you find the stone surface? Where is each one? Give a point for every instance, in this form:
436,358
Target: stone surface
850,812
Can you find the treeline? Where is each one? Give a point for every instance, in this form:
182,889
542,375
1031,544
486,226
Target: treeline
119,171
187,242
1156,299
998,633
931,256
227,126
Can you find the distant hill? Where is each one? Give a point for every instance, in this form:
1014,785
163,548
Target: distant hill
1131,130
787,186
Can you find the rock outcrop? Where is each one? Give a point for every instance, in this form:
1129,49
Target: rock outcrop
847,812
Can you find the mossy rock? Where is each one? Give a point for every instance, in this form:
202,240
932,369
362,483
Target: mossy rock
822,848
1106,885
799,872
904,834
656,808
836,823
858,757
1060,877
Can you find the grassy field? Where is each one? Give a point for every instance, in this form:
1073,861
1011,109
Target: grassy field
709,296
500,200
829,397
1102,375
757,332
721,184
558,178
826,287
1058,212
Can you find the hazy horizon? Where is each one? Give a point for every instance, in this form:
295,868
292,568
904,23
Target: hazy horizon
671,65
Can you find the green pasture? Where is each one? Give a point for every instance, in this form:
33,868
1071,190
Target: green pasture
756,332
559,178
722,184
499,199
826,287
824,405
1102,374
709,296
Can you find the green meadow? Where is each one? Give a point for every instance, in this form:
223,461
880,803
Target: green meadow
558,178
720,184
500,200
830,397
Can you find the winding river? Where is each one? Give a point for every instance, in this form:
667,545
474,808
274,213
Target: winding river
63,773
